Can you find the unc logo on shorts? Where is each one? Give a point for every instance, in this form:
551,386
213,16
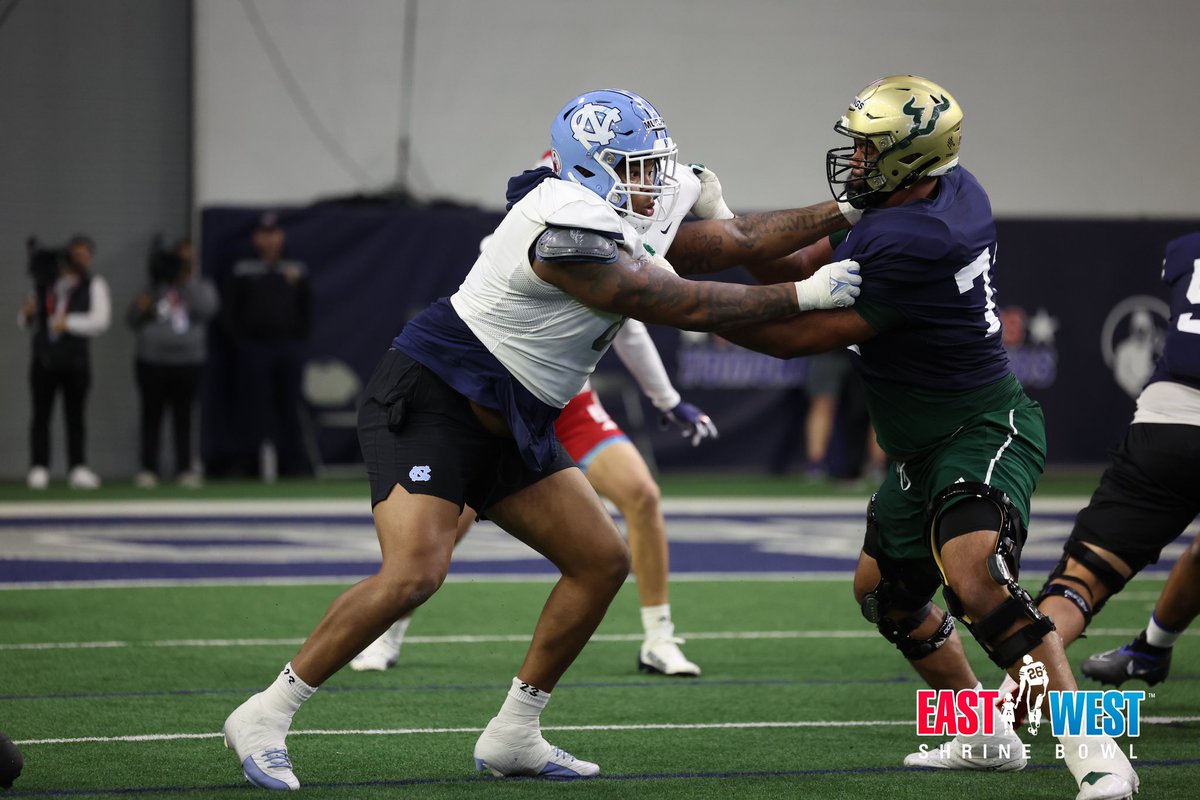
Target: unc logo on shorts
592,125
418,474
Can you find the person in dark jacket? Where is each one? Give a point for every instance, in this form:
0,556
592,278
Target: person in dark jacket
267,303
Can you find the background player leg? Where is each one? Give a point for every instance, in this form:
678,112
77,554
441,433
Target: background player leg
416,537
619,473
562,518
1149,655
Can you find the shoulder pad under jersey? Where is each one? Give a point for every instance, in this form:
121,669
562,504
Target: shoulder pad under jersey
575,244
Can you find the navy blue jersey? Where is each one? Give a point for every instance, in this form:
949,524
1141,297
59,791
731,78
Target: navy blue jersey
1180,360
927,289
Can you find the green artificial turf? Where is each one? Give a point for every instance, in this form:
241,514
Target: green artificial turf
172,663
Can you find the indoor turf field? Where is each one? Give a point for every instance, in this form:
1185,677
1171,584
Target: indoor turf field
121,689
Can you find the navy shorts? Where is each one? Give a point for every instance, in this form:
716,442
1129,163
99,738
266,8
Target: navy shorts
417,432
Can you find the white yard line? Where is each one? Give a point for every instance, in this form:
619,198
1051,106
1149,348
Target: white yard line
859,633
322,508
695,726
334,580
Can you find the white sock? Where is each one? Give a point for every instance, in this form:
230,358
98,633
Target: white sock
1159,636
1095,760
395,634
287,693
524,704
656,621
997,720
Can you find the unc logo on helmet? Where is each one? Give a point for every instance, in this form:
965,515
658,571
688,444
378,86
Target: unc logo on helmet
592,125
615,144
904,128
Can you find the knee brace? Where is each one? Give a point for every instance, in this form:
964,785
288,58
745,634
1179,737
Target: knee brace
1005,562
899,633
1002,566
1113,580
902,587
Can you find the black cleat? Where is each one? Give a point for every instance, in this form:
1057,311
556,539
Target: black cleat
1137,660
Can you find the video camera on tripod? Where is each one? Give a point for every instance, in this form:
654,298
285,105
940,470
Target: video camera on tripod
165,265
44,263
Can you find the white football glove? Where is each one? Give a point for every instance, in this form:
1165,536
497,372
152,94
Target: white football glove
710,205
834,285
852,214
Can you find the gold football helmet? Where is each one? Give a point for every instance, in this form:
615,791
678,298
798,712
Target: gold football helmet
904,128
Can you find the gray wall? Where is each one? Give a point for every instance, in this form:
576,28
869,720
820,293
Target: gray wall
1076,108
95,128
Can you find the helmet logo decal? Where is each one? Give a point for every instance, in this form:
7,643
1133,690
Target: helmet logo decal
592,125
911,109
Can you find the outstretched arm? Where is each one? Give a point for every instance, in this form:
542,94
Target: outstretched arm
713,245
805,334
646,287
797,266
640,288
637,352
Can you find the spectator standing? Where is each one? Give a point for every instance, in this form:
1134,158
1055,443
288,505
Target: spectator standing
267,302
64,312
170,318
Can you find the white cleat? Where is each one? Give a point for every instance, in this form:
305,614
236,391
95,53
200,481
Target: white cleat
380,655
38,478
1106,786
507,750
190,479
664,657
81,477
257,736
1105,773
1000,753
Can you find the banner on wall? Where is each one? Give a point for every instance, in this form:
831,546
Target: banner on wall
1081,303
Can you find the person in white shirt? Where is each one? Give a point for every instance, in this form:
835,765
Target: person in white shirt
63,313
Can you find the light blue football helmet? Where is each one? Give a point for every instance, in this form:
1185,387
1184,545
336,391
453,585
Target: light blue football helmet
615,143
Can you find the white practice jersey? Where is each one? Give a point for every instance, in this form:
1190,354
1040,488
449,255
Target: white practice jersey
633,344
547,339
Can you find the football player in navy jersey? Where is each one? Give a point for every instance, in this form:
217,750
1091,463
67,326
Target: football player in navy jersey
460,410
1147,497
967,444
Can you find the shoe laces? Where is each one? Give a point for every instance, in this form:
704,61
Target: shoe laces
561,754
277,758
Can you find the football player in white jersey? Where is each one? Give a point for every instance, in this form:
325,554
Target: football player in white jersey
460,411
613,464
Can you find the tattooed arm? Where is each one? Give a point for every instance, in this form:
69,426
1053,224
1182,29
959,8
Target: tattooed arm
797,266
805,334
717,244
639,288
